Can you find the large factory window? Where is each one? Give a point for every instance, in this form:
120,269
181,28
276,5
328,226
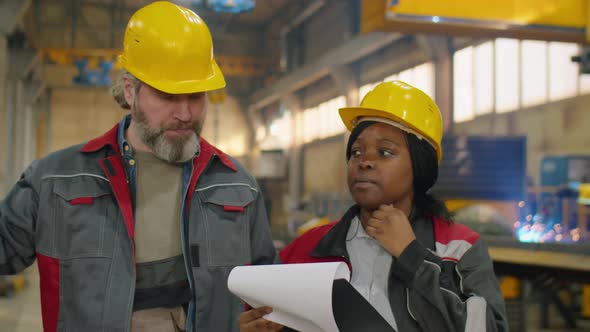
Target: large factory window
310,120
420,76
563,72
332,125
299,125
585,83
473,72
424,78
507,74
507,69
463,92
533,57
406,75
320,122
484,78
280,131
366,88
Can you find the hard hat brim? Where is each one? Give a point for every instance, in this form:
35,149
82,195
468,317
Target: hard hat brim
214,82
349,114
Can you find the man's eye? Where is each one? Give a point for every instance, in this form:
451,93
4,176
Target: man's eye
167,96
197,96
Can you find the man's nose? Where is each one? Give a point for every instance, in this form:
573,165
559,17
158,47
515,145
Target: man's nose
182,111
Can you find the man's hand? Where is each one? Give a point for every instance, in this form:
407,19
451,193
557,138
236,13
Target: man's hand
252,321
391,228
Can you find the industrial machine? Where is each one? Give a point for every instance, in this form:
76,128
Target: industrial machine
535,236
563,193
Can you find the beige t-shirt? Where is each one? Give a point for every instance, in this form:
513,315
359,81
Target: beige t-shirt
157,215
159,320
162,285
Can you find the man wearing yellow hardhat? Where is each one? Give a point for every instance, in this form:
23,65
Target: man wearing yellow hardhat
137,230
409,260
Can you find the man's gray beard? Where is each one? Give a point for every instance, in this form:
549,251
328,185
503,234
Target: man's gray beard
173,150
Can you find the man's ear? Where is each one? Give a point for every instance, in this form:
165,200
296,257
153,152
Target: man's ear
128,91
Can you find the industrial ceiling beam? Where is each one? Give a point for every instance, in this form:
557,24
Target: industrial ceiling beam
434,47
243,66
33,92
343,77
355,49
103,33
206,14
439,50
293,102
345,80
11,12
22,63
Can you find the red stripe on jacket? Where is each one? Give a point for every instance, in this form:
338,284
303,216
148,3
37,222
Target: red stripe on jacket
49,284
445,232
299,251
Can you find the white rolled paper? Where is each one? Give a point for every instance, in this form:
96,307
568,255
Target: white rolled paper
300,294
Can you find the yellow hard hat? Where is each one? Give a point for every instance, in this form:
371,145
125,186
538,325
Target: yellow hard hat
312,223
170,48
403,106
584,196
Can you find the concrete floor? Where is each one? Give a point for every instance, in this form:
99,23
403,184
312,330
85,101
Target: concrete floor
557,324
22,313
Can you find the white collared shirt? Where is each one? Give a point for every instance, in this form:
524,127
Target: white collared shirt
370,269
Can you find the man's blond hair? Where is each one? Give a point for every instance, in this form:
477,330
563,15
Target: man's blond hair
118,88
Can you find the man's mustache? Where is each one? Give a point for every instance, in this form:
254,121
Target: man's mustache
191,126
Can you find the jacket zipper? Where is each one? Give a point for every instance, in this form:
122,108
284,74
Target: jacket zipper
184,240
132,297
191,315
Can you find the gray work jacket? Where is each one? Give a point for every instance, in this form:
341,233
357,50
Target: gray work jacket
72,212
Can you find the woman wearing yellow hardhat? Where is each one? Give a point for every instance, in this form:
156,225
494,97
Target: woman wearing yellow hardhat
417,268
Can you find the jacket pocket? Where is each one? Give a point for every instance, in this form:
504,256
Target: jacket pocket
226,211
83,218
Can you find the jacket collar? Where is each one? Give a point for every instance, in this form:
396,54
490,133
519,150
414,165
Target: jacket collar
333,244
109,139
208,151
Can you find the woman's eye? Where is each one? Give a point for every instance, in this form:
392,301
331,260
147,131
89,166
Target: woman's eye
355,152
386,153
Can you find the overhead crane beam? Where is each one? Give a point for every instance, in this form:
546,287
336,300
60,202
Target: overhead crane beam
230,65
552,20
353,50
11,12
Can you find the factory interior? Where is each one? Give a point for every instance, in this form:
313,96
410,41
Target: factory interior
511,84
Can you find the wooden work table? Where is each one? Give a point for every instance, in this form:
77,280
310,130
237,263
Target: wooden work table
567,261
541,258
